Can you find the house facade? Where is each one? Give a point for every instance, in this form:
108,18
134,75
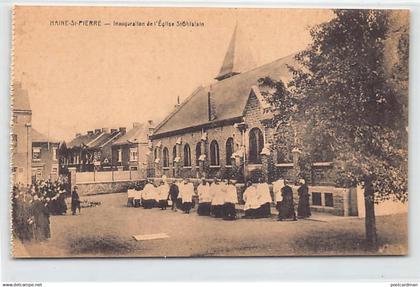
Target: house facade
21,138
92,151
45,157
131,151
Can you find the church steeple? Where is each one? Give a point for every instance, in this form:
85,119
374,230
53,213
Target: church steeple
238,58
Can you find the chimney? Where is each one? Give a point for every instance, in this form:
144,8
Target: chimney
114,131
90,133
136,124
211,106
78,135
105,130
123,130
177,103
97,131
151,127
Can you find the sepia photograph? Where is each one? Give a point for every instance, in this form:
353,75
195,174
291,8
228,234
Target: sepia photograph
208,132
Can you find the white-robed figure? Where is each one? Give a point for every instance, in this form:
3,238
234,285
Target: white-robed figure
204,198
148,194
187,191
218,192
137,196
264,199
231,199
163,193
277,191
251,201
179,198
130,196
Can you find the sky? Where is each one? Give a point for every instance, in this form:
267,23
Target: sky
80,78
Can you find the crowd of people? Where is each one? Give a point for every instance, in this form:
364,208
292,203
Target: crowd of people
33,205
219,199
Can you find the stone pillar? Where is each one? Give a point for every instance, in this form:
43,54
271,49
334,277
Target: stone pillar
206,158
296,168
158,161
176,168
72,177
267,163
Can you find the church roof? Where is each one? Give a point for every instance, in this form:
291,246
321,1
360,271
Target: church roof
20,98
138,134
229,95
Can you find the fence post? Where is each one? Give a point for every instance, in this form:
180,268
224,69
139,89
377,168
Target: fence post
130,174
112,175
94,175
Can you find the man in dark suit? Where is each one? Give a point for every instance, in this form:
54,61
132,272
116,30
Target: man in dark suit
173,195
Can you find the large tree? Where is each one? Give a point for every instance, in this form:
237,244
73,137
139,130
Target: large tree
345,93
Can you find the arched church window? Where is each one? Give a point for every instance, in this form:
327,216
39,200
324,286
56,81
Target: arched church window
187,155
174,155
229,151
165,157
214,153
197,153
256,144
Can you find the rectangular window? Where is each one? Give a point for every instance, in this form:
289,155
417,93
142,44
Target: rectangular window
14,140
316,198
36,153
133,154
329,199
54,170
54,156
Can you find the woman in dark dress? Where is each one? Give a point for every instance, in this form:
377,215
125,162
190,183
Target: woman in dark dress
287,206
304,210
75,201
41,218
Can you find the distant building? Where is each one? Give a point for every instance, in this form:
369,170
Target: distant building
21,141
92,151
131,151
44,157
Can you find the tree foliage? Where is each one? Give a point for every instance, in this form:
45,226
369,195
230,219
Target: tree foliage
345,95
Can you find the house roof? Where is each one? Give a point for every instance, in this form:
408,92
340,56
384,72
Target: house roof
94,140
106,139
82,140
40,137
20,98
229,95
138,134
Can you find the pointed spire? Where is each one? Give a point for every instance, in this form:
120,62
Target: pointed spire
237,59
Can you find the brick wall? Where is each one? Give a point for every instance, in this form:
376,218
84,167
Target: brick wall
220,134
102,188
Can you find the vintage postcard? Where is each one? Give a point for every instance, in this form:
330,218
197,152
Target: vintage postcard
201,132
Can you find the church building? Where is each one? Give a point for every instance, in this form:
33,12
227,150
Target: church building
223,129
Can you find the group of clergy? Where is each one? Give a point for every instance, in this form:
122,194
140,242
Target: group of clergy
219,199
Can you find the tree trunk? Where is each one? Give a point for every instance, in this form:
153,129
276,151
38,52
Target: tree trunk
370,222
